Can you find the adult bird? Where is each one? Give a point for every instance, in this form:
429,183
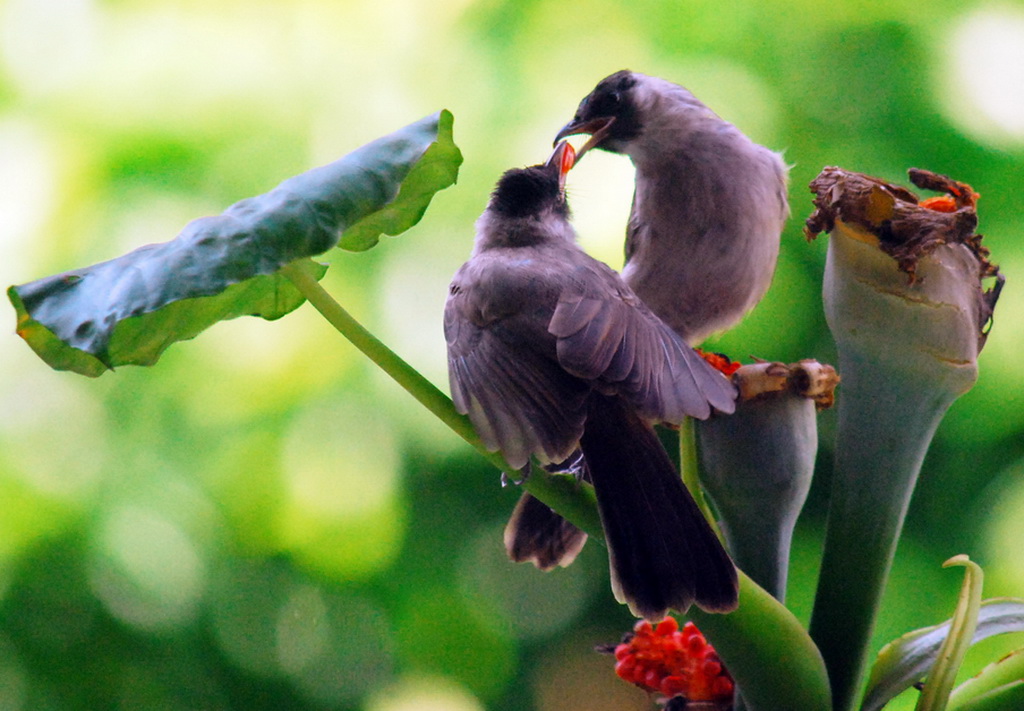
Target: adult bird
702,239
550,352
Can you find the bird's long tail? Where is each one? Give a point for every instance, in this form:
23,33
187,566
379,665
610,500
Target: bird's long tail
662,552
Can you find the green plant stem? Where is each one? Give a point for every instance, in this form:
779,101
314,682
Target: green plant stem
885,424
689,468
573,500
768,652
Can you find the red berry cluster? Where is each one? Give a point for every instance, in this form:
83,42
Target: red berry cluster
670,661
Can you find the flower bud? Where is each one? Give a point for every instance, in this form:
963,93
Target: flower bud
757,464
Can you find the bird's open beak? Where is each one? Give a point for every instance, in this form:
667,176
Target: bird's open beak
598,129
564,158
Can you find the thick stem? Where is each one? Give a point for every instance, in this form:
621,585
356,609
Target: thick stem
907,349
768,652
885,425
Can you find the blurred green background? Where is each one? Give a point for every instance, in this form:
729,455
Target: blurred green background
263,521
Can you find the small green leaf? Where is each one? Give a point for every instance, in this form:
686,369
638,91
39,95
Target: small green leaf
130,309
1009,697
935,695
906,660
997,676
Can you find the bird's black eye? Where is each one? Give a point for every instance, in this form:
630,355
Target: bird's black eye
606,103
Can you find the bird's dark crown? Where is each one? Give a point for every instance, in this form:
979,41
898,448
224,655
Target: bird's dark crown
522,192
613,97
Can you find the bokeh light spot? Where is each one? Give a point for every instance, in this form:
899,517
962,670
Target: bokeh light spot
65,467
342,512
1004,530
534,602
424,694
246,600
45,45
145,569
335,648
412,294
13,680
439,633
271,621
600,191
302,630
732,91
340,458
28,174
984,72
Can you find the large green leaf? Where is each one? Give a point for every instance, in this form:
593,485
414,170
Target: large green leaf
905,661
130,309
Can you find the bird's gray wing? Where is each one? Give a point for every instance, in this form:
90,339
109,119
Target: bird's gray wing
608,336
517,396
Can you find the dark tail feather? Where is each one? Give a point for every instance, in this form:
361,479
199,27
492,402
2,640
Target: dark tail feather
537,534
662,552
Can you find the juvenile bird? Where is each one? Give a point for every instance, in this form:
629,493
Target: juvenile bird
549,351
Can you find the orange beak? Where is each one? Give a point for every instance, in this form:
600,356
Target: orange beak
564,156
597,128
